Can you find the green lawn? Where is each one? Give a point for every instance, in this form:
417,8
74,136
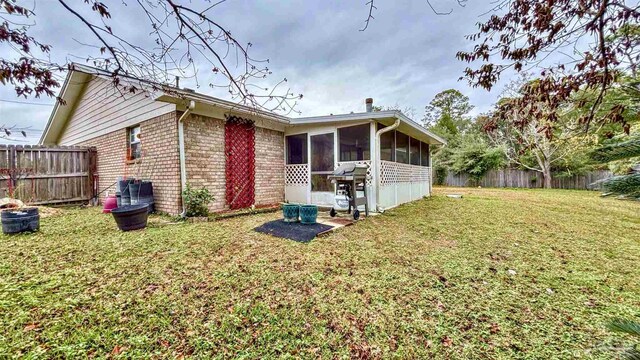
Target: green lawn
428,279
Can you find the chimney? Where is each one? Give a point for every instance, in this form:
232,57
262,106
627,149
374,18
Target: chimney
369,103
178,82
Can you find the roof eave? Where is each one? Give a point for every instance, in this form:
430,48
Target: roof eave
182,95
419,127
376,115
56,108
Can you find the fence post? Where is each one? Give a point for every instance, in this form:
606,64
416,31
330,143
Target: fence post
12,169
93,174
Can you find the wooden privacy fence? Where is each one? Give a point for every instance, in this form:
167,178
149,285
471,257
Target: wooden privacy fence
47,175
514,178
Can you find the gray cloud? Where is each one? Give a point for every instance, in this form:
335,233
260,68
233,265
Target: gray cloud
405,57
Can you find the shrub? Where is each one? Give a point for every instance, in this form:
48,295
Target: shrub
196,201
476,159
441,172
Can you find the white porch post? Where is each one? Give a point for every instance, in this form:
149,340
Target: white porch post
375,181
430,171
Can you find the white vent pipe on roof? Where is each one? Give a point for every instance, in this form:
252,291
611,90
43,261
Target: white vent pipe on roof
369,104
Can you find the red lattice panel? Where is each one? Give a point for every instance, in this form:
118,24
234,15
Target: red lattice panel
239,137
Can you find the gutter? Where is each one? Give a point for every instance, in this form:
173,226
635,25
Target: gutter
183,166
377,162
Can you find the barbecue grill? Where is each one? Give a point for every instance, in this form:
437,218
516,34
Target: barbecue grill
349,180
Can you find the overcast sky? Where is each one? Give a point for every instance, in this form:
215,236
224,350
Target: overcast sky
404,58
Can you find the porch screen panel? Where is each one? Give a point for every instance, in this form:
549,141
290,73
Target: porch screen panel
402,148
296,149
322,162
424,154
354,142
388,145
414,151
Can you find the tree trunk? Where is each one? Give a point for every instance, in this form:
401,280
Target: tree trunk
546,174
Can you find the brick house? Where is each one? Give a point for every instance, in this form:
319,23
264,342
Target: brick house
243,156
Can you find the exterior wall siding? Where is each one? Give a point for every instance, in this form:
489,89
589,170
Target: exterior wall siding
103,109
204,156
160,162
99,120
205,161
269,166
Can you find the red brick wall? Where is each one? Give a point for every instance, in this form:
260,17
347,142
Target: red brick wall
269,166
205,161
204,156
160,163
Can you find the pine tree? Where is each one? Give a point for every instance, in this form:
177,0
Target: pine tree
630,328
626,185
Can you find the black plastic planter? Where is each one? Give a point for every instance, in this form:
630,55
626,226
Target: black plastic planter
131,217
20,220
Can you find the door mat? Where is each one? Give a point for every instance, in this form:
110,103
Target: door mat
293,231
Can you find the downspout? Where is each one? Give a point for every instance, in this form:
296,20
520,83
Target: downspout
377,164
183,167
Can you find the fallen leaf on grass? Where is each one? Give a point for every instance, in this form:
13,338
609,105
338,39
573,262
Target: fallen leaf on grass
30,327
117,350
447,342
164,343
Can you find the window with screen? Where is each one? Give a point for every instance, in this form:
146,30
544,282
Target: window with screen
354,143
402,148
134,146
414,151
387,144
296,149
424,154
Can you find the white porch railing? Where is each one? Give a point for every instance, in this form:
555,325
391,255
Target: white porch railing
296,175
397,173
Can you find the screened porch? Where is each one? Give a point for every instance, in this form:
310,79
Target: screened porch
399,163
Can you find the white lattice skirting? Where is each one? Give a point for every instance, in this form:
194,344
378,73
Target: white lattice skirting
296,175
397,173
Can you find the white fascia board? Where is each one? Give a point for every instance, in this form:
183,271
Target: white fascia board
224,104
72,82
376,115
420,128
343,117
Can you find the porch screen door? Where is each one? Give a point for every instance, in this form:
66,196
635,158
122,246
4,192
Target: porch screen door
322,164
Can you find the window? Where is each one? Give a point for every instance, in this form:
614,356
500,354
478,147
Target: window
134,146
387,144
424,154
354,142
414,151
402,148
296,149
322,162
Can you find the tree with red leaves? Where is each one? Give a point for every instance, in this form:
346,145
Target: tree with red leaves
182,35
523,34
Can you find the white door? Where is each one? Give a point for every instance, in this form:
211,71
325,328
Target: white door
322,160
